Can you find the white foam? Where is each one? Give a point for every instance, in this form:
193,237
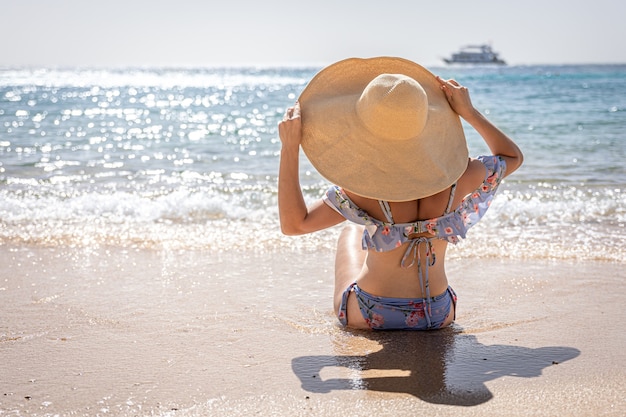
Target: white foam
553,224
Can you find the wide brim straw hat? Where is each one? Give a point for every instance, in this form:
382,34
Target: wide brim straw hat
382,128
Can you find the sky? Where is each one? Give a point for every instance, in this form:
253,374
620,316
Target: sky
119,33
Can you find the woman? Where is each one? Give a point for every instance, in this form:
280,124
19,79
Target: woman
387,133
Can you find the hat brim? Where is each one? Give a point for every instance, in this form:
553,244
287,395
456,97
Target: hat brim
346,153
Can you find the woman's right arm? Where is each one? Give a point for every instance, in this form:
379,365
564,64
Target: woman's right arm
497,141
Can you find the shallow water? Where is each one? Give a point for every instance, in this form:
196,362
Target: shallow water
187,158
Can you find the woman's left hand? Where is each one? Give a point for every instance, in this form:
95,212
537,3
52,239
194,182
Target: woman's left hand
290,128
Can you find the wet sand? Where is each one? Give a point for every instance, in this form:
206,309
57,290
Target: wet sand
107,331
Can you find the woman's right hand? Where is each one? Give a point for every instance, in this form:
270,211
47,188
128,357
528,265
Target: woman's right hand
458,97
499,143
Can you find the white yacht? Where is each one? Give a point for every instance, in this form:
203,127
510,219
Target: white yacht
475,54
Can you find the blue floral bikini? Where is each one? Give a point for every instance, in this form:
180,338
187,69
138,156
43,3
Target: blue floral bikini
384,313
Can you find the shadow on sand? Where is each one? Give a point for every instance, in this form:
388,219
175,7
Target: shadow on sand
440,367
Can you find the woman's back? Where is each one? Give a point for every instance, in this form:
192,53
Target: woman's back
429,207
383,272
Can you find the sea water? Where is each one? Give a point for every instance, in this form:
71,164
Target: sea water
181,158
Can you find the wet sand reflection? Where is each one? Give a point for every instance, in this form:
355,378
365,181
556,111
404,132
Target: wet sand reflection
440,367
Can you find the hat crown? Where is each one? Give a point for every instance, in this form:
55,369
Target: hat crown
393,107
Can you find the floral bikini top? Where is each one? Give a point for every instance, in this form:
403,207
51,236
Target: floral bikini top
387,235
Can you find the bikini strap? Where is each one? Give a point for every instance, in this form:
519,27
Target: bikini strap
452,190
384,206
415,254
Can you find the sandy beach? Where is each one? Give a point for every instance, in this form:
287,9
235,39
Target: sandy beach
110,331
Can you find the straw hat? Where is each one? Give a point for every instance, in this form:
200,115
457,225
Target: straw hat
383,129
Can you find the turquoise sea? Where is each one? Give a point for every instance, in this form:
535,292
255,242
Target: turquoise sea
179,158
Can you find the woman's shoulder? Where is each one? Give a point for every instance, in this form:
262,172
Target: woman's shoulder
486,164
473,176
480,170
339,201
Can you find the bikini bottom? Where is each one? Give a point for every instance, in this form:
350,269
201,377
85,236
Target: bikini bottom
387,313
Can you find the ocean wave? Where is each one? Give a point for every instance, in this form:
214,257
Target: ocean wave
522,223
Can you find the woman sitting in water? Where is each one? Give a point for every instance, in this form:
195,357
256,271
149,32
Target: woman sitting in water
387,133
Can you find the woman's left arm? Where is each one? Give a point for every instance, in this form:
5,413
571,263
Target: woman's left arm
295,217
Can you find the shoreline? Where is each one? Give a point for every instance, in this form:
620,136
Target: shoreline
109,331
